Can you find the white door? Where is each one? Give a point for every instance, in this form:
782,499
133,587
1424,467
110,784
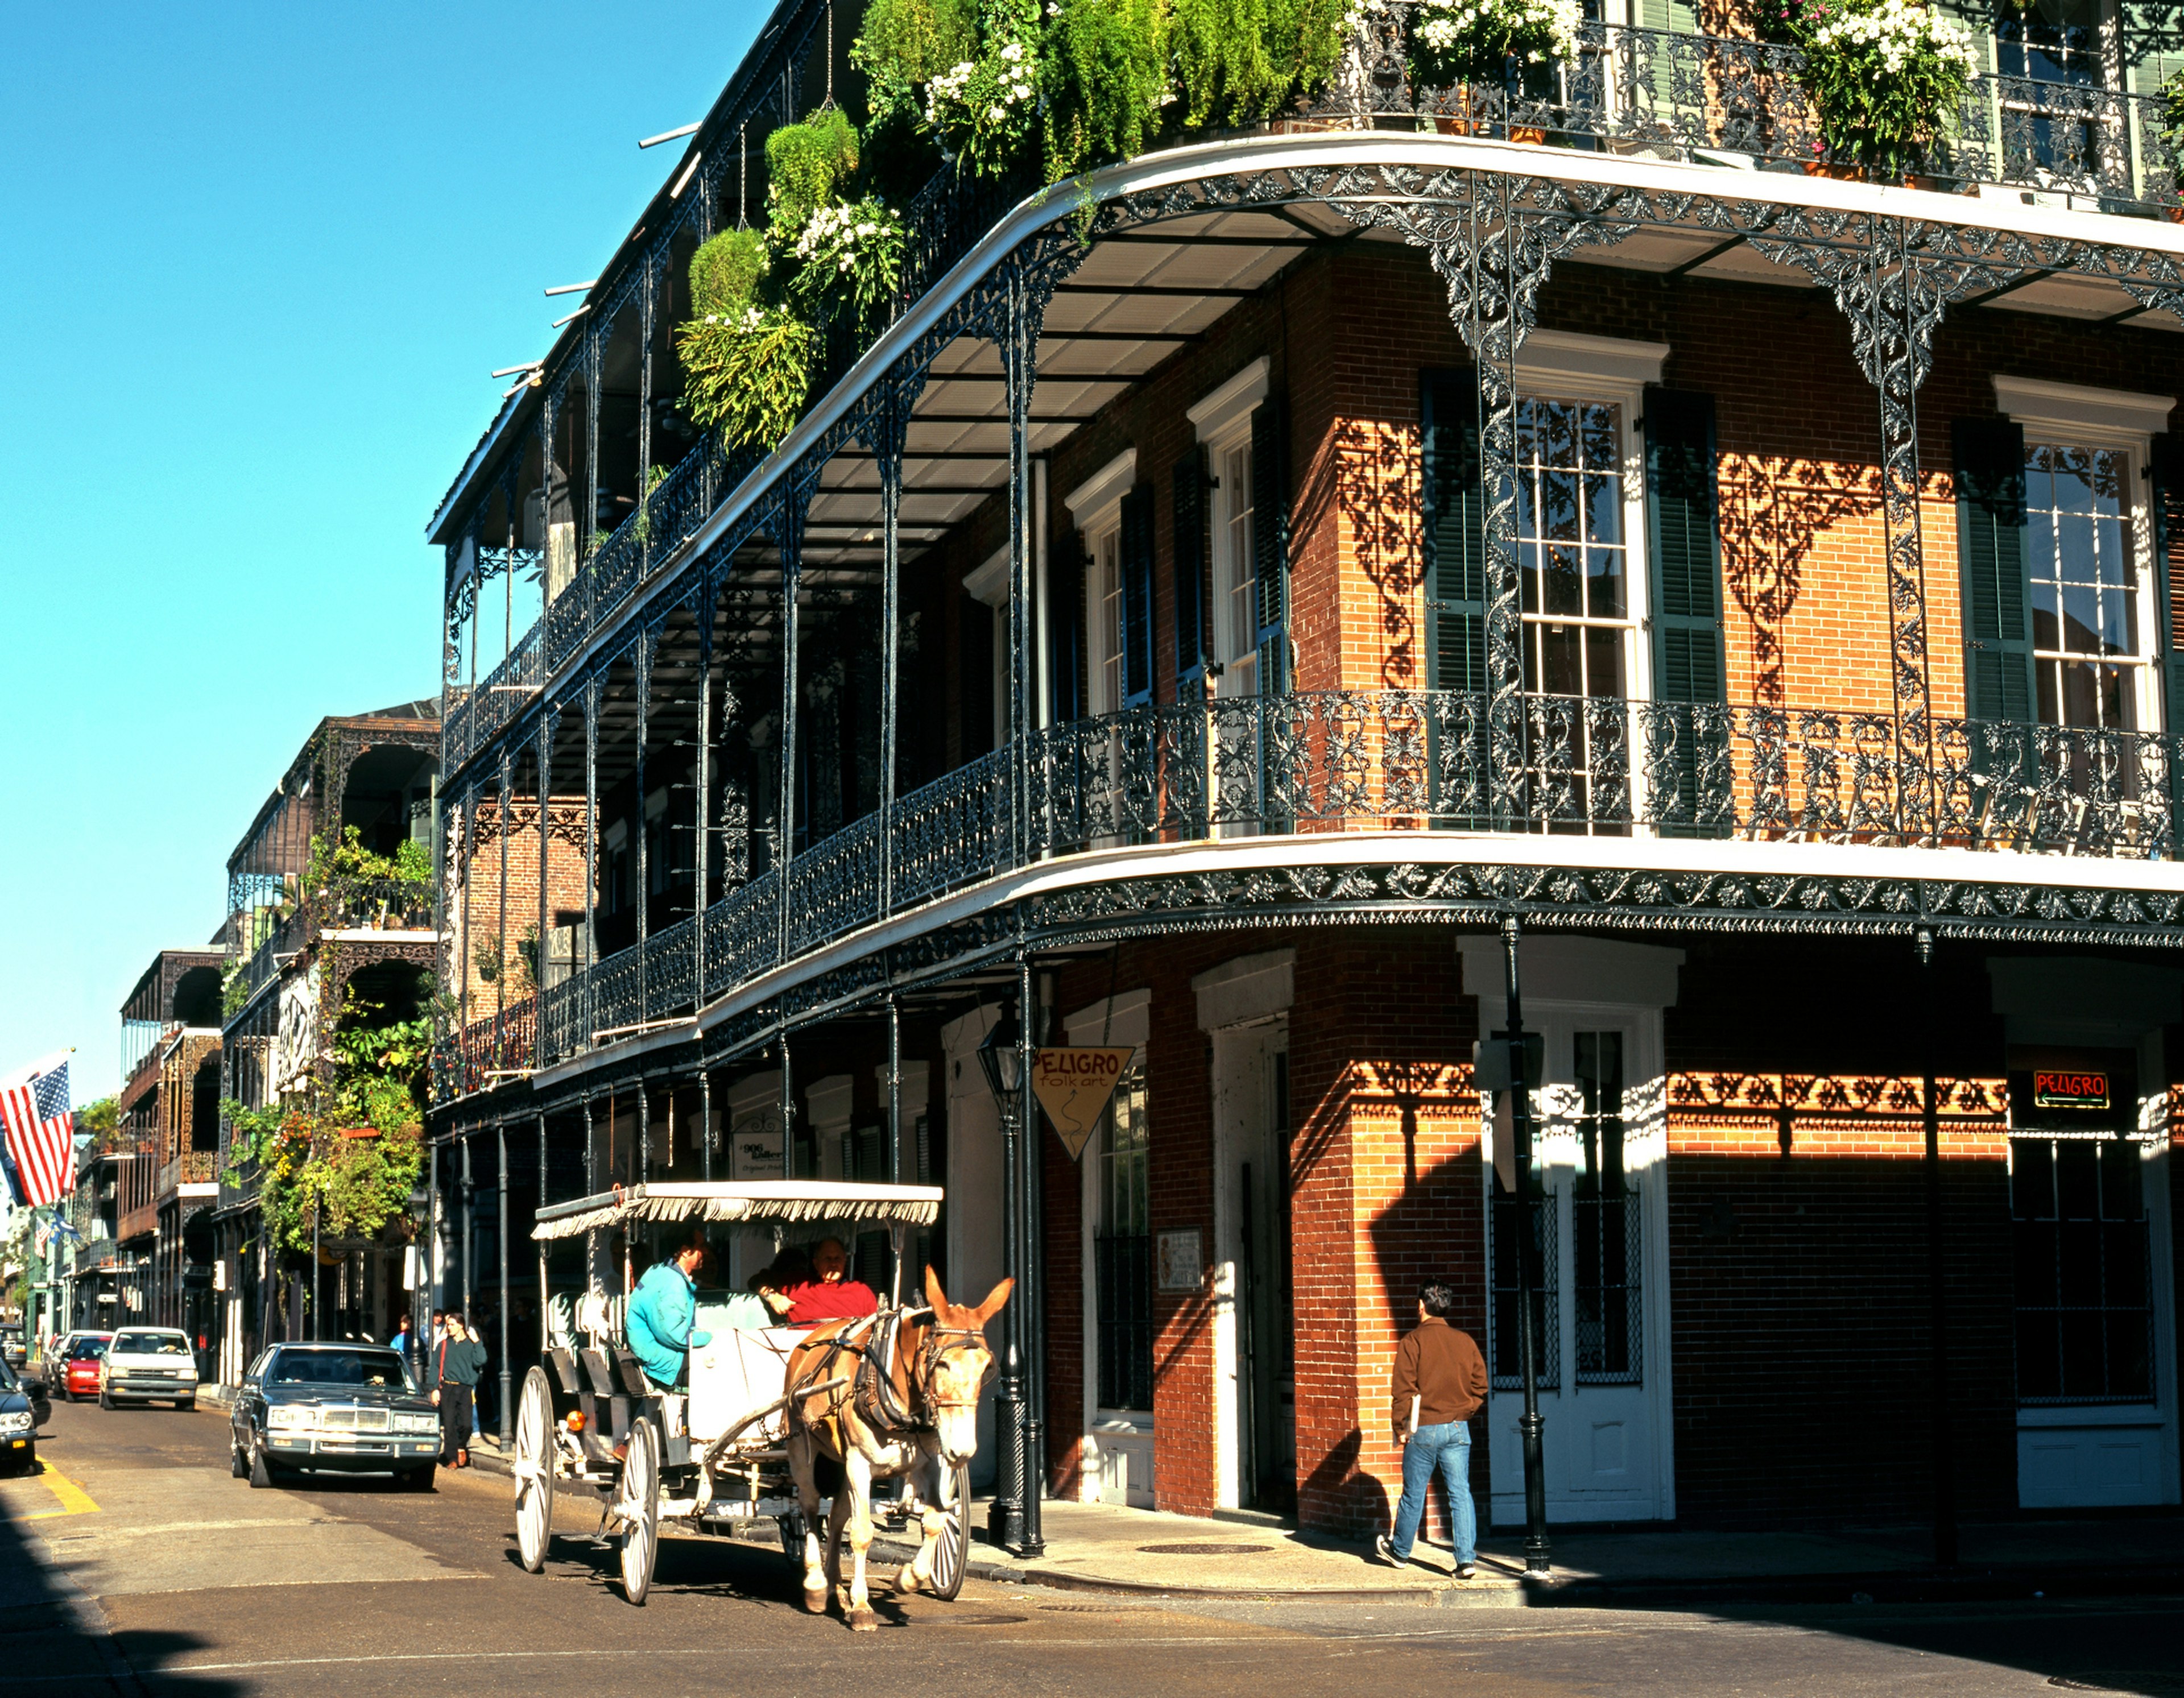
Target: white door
1603,1332
1254,1414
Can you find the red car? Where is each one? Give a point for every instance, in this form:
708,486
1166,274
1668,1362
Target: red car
80,1372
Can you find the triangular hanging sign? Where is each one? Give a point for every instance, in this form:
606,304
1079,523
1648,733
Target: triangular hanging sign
1073,1086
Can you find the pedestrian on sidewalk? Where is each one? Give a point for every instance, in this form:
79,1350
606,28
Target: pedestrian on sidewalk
1439,1384
460,1359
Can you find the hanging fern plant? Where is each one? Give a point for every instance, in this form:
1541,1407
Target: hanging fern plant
1241,61
747,374
1105,81
725,273
806,163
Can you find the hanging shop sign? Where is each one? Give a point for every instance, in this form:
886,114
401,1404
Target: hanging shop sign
2069,1090
756,1146
1074,1087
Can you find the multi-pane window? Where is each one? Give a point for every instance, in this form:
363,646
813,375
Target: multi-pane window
1572,547
1237,618
1123,1251
2084,585
1604,1221
2085,1302
2042,55
1103,599
1504,1344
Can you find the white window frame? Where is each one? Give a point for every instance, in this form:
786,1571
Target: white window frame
1222,420
1095,509
2072,415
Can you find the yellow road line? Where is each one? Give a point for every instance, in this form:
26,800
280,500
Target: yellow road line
73,1500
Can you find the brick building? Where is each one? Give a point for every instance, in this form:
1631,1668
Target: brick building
1202,622
313,945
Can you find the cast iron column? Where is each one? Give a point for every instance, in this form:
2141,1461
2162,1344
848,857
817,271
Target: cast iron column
1031,1329
500,1132
1937,1296
1530,1425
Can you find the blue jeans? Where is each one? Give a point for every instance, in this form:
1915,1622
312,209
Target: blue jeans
1447,1447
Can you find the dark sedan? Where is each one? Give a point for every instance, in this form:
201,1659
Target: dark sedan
337,1408
24,1410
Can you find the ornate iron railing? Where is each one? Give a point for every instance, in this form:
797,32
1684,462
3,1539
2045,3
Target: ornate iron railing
1726,100
372,905
1309,764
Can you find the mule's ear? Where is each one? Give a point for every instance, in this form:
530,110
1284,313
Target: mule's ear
992,1307
933,1294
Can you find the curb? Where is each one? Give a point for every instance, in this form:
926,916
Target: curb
1511,1591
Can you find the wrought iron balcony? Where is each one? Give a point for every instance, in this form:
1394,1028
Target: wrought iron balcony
1307,765
371,904
1727,101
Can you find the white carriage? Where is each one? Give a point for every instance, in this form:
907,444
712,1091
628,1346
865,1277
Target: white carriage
711,1455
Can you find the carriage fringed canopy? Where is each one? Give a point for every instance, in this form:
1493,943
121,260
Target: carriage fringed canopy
771,1200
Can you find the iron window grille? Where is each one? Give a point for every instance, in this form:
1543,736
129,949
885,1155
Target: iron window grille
1505,1363
2085,1295
1122,1251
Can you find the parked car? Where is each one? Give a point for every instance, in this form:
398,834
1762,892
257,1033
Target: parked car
24,1410
55,1353
79,1370
343,1408
148,1365
11,1351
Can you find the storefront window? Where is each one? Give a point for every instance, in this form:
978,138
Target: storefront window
2085,1305
1122,1252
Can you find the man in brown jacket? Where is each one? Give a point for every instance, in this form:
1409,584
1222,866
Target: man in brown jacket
1441,1383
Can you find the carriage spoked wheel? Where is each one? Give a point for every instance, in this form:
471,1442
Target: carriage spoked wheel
638,1503
534,1471
951,1556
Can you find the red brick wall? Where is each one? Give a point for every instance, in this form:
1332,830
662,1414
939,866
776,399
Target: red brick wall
564,891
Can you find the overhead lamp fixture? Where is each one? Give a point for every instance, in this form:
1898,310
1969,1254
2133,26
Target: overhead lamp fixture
1001,1058
573,288
511,370
672,135
571,317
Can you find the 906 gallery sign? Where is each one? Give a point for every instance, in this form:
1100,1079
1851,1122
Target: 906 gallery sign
1073,1087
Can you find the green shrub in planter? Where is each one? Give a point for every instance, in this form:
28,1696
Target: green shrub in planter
747,375
1239,61
724,273
1106,80
904,44
1886,80
805,164
1473,41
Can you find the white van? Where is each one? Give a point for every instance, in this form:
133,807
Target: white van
148,1365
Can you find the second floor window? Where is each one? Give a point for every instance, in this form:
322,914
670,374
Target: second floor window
2088,666
1236,577
1573,548
1103,599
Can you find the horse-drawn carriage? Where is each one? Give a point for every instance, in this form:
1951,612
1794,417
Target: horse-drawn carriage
717,1455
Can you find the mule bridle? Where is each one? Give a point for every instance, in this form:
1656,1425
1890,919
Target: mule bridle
926,1362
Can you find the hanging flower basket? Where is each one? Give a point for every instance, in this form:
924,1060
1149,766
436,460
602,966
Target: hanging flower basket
1480,41
1886,80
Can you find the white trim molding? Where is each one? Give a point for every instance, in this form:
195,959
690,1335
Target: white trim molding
1126,1018
988,581
1246,988
1230,405
1103,489
1551,360
2124,418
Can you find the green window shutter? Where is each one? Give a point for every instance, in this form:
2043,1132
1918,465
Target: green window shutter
1989,471
1455,504
2152,44
1683,548
2165,472
1270,539
1190,563
1064,590
1136,635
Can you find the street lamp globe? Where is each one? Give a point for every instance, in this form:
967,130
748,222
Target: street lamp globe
1001,1057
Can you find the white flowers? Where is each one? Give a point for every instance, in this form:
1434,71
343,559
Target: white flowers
1466,39
1900,33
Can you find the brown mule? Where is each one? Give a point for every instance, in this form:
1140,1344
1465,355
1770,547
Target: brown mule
909,1406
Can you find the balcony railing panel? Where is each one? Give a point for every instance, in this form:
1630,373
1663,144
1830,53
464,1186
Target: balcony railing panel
1308,764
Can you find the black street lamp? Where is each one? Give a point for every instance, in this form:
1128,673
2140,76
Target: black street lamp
1004,1058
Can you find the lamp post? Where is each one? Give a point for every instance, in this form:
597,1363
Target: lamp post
1530,1426
1001,1060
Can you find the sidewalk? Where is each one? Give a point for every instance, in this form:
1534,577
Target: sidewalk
1103,1548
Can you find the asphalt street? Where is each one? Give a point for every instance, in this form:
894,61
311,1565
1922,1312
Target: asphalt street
134,1563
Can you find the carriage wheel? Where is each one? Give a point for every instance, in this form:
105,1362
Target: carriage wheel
952,1555
638,1504
534,1471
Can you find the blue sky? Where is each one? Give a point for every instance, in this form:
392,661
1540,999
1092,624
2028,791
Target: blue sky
257,262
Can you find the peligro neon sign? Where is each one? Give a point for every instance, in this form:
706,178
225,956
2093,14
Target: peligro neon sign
2061,1090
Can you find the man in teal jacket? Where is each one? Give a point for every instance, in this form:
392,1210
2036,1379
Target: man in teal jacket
661,1312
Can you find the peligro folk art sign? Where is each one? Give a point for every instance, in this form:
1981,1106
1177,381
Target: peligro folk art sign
1073,1087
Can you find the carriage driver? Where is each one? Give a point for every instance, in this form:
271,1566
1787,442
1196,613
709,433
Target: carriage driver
661,1312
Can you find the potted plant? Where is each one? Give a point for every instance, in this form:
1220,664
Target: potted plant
1885,78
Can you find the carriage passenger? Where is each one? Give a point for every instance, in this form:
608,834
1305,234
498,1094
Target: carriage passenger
830,1295
662,1313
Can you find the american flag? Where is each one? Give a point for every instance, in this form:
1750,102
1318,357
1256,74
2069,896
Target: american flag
34,1102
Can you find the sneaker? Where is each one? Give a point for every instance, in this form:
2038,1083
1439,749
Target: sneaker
1385,1551
1466,1570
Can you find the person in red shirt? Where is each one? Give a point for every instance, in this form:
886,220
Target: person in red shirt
830,1295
